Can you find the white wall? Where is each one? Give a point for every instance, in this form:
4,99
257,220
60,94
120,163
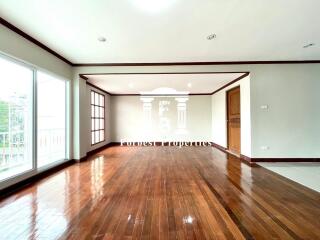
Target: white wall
290,127
219,116
128,123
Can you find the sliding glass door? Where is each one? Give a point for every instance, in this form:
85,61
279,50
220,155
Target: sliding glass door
32,120
16,119
51,120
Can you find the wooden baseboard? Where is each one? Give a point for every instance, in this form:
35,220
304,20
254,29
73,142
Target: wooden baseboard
252,161
242,157
245,158
92,152
285,160
257,160
219,147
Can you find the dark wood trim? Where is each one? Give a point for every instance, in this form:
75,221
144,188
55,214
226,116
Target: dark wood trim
83,75
245,158
160,95
82,159
5,192
194,63
33,40
219,147
285,160
128,94
100,89
197,94
256,160
230,83
242,158
92,152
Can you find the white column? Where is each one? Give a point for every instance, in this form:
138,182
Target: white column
147,112
182,114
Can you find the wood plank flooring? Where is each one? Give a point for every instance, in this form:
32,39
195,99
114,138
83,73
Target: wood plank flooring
162,193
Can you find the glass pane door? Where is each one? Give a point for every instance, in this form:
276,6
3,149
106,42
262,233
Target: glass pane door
51,121
16,125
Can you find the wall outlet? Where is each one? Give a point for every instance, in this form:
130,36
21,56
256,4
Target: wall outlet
264,147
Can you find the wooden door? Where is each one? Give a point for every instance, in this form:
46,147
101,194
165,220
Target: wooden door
233,120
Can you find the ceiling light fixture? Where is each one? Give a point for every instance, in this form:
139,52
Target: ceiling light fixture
308,45
211,36
130,85
102,39
189,85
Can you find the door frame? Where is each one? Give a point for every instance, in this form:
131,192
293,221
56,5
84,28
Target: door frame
227,116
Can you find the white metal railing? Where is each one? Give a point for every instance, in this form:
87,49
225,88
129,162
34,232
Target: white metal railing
51,145
14,148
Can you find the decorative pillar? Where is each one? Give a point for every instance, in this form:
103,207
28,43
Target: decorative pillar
182,114
147,112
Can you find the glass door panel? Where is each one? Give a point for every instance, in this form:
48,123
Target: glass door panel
51,121
16,119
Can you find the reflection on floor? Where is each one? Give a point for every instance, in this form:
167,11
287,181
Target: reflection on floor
162,193
307,174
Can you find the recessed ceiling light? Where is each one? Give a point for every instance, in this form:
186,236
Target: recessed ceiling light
211,36
102,39
189,85
308,45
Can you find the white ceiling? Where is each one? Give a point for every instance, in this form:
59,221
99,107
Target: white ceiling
136,83
170,30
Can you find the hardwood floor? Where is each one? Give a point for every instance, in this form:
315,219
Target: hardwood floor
162,193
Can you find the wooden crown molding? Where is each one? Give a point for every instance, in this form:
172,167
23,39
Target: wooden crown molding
193,63
33,40
191,94
83,75
92,85
232,82
43,46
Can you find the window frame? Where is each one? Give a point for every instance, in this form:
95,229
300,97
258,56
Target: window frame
94,117
35,170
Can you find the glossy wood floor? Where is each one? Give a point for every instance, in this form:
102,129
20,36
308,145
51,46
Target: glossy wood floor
162,193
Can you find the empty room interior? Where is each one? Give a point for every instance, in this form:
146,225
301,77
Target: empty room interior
159,119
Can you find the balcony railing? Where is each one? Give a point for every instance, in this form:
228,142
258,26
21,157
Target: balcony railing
15,150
